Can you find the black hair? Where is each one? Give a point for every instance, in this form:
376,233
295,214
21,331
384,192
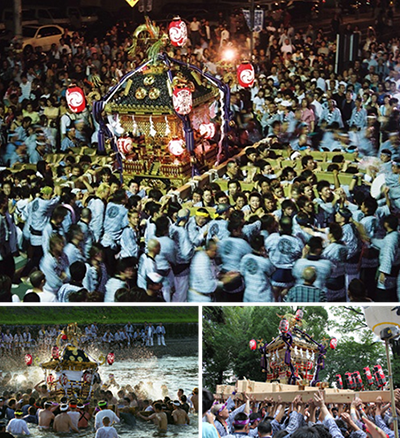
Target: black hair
392,221
315,243
77,271
31,297
336,231
264,427
162,226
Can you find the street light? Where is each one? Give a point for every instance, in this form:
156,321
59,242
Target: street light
386,335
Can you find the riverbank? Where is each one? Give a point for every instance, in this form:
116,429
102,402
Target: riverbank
84,315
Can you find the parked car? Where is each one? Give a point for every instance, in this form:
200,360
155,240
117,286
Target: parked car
43,36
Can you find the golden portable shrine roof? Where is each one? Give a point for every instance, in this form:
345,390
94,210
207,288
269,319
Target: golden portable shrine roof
72,358
149,91
298,340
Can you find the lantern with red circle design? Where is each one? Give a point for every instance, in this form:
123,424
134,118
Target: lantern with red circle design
28,359
182,100
245,74
110,358
50,379
176,146
125,145
284,326
75,99
333,343
299,314
55,353
207,130
253,344
177,32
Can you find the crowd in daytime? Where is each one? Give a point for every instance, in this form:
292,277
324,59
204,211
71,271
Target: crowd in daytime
14,342
300,419
307,207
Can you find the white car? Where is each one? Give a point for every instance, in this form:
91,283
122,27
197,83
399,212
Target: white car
43,36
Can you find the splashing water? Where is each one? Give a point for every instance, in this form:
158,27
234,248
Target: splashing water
173,372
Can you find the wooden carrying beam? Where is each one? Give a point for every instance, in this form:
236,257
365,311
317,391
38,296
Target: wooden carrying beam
262,390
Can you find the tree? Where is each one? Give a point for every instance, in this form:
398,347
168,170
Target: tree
228,330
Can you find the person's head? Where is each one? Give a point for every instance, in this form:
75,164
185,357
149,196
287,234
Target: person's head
390,223
202,216
158,407
369,206
343,216
241,422
31,297
153,247
56,245
58,215
324,190
211,248
309,275
77,272
285,225
316,245
264,429
106,421
126,268
102,404
335,232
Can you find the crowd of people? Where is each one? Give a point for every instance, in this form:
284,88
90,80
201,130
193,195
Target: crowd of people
299,419
18,341
24,413
293,217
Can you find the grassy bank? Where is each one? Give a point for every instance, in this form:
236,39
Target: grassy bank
102,315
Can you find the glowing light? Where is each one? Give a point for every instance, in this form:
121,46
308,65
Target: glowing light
176,146
229,55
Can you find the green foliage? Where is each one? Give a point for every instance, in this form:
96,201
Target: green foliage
100,314
228,330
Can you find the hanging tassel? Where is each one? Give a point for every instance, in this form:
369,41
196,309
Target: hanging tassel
153,132
167,128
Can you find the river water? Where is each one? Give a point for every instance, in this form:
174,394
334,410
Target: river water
174,372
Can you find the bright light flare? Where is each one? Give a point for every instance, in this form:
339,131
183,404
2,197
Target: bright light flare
229,55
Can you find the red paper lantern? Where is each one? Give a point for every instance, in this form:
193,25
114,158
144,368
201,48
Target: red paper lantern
176,146
284,326
50,379
245,74
333,343
253,344
299,314
75,99
177,32
55,353
309,365
182,100
125,145
63,379
207,130
110,358
64,337
28,359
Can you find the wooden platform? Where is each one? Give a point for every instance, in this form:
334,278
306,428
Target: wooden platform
262,390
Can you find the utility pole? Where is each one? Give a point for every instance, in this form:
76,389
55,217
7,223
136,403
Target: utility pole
251,29
18,18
